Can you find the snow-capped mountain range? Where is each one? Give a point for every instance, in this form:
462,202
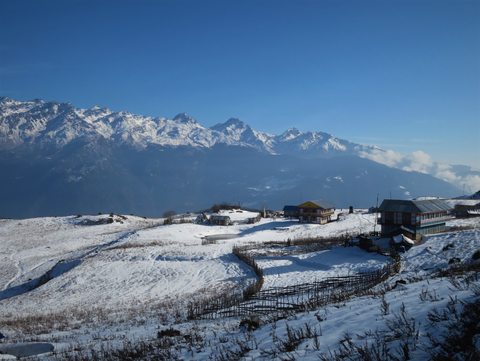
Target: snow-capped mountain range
59,160
39,123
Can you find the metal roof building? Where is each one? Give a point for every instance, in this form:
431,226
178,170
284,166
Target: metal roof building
322,204
422,216
414,206
220,220
290,211
318,211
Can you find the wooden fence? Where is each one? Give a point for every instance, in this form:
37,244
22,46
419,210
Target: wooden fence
296,298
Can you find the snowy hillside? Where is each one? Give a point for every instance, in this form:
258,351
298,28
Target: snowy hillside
118,284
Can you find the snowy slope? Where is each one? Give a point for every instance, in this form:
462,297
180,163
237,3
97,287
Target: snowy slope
123,281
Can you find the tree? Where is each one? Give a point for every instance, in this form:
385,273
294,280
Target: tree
169,214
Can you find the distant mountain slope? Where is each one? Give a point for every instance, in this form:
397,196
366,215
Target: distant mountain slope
36,123
59,160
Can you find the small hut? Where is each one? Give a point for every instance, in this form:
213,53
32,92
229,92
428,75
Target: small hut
401,242
290,211
407,232
220,220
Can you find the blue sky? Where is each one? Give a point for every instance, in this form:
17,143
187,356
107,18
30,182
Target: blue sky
402,75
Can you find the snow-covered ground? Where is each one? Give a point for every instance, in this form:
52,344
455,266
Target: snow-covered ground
80,282
466,202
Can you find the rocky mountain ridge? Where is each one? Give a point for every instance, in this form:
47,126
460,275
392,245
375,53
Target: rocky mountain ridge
59,160
37,123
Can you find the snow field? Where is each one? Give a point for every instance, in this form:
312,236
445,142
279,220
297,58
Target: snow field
133,277
308,267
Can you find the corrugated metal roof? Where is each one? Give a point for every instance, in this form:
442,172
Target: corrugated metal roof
321,203
413,206
290,208
219,218
432,205
402,227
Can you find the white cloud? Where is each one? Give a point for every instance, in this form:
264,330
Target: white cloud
387,157
447,176
419,162
473,181
442,167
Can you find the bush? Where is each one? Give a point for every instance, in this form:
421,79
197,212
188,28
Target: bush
250,324
476,255
169,332
458,341
169,214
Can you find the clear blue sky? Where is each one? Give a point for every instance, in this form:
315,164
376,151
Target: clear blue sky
403,75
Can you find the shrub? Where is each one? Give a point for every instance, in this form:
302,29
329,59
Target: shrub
168,332
169,214
458,341
251,324
448,247
476,255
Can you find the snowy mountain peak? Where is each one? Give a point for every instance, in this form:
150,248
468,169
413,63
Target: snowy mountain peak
36,122
290,133
235,121
230,125
237,130
5,100
184,118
